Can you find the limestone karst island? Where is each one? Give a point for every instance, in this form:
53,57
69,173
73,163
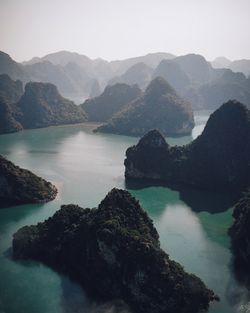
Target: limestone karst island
124,156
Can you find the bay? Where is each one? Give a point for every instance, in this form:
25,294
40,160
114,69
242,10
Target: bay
85,166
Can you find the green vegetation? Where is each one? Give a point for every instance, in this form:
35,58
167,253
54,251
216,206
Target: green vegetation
159,107
217,160
20,186
112,100
114,252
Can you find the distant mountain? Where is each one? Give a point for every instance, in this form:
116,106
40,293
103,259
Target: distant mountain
63,58
47,72
152,60
172,72
221,62
95,89
77,76
112,100
12,68
139,74
229,86
42,105
9,89
159,107
241,66
217,160
196,67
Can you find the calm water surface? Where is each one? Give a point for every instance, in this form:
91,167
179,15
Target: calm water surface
85,166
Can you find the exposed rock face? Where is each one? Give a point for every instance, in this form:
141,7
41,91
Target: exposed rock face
217,160
42,105
159,107
114,252
240,239
8,117
12,68
11,90
20,186
240,232
112,100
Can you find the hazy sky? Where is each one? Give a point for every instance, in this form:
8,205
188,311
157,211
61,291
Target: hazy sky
117,29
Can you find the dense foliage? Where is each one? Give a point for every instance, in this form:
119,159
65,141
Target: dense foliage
112,100
159,107
114,252
41,105
217,160
19,186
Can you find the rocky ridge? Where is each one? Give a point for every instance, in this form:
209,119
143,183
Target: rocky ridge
114,252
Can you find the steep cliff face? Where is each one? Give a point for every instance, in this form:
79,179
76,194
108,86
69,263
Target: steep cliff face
217,160
8,117
112,100
159,107
10,92
42,105
20,186
240,232
240,239
10,89
114,252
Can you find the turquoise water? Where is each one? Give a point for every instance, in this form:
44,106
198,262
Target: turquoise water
85,166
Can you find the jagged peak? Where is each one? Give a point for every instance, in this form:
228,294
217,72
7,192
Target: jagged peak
158,87
153,139
118,198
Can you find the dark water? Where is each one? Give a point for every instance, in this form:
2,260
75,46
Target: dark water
85,167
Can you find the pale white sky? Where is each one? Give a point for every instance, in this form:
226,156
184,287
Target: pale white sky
118,29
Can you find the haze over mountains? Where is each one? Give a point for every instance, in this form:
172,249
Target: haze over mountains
206,85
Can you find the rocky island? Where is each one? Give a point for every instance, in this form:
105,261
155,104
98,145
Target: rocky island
114,252
42,105
20,186
160,107
217,160
113,99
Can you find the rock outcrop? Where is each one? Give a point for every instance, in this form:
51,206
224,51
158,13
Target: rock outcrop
20,186
240,239
9,115
112,100
10,92
114,252
41,105
10,89
159,107
240,232
217,160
